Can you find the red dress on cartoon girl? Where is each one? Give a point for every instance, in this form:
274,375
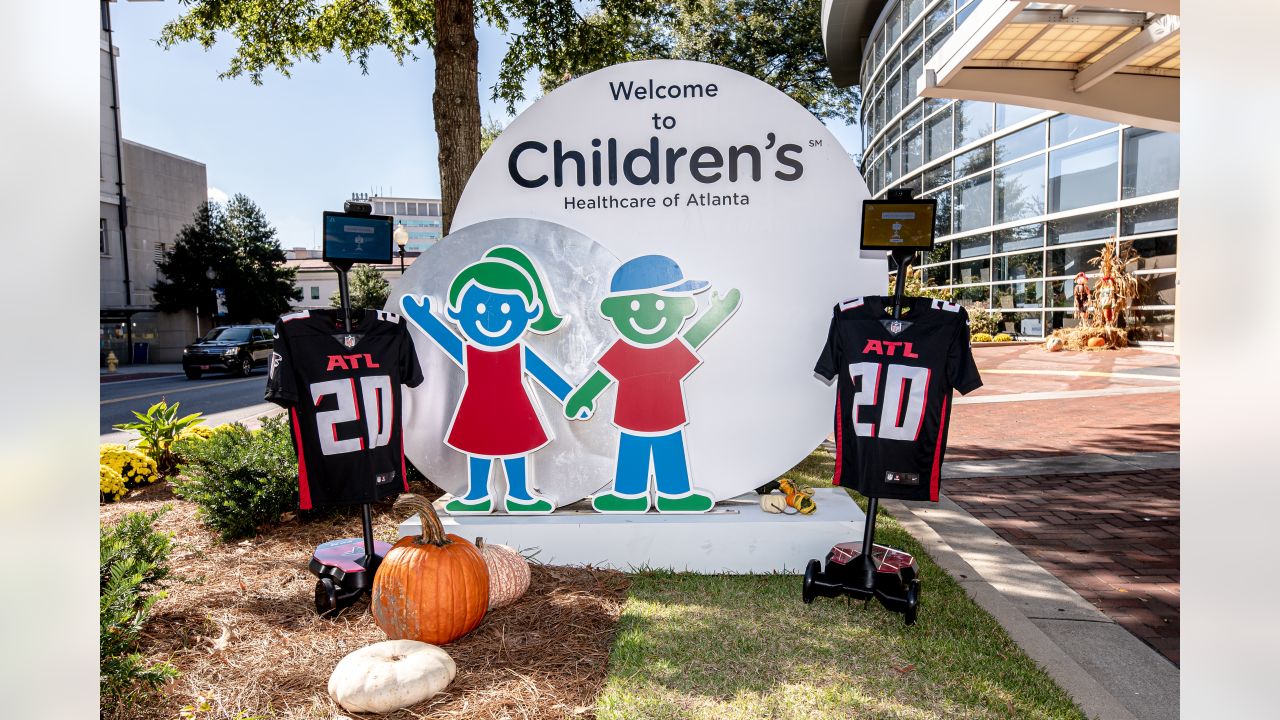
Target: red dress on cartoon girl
496,416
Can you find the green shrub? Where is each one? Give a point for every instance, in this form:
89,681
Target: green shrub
240,479
980,337
983,320
1003,337
132,563
158,428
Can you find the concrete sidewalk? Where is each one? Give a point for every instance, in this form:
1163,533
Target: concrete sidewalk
139,372
1108,672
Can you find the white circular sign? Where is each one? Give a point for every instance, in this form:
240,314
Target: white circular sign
707,185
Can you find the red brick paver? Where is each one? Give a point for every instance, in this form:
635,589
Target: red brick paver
1111,538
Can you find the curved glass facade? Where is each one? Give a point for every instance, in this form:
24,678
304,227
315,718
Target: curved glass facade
1025,196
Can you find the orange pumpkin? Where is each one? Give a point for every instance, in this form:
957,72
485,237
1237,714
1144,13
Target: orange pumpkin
433,588
1097,342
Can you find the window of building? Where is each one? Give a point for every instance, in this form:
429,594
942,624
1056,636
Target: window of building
976,159
937,135
400,208
1065,128
964,11
939,253
1151,325
103,245
1020,190
1061,293
1094,226
1152,217
973,246
942,216
937,40
1072,260
938,275
938,17
893,26
911,72
913,41
161,249
893,97
1157,253
973,121
973,203
938,176
1151,162
1023,266
912,154
1020,238
1018,295
913,116
970,295
1159,289
315,292
892,169
911,10
1023,142
1007,115
1083,174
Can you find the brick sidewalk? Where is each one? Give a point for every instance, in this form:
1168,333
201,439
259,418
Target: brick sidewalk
1111,538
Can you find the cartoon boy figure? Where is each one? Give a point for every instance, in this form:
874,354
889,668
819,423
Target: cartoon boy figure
649,301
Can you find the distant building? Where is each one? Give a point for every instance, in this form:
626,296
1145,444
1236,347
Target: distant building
318,281
420,216
146,196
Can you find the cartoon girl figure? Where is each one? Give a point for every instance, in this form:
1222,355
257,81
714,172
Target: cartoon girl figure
493,302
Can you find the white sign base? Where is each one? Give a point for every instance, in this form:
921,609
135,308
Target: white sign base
736,537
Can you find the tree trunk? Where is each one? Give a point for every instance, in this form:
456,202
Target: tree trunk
456,102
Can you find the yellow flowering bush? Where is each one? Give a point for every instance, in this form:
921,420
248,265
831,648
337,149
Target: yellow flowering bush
122,468
202,432
110,485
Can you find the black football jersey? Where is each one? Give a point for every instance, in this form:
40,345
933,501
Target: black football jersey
344,402
893,396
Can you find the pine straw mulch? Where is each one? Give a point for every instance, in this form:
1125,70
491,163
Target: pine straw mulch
239,623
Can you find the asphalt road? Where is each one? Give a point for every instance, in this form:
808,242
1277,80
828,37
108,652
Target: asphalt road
222,398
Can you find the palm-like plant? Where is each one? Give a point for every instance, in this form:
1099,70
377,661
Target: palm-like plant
157,429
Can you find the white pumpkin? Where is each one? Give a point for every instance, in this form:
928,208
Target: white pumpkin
390,675
508,573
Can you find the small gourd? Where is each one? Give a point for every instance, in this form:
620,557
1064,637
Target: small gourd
508,573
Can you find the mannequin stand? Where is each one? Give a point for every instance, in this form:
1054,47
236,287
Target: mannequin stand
346,567
886,574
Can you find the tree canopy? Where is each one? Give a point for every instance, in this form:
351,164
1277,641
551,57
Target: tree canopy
238,247
367,287
777,41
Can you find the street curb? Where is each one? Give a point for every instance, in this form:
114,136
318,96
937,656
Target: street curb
1092,698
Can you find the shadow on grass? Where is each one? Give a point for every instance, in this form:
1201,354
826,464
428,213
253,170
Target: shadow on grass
747,646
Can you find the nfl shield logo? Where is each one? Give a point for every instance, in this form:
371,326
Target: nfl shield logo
895,327
349,341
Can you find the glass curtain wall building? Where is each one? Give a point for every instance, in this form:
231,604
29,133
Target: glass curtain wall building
1025,197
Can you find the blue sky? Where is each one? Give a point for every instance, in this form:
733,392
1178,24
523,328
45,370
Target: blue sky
301,145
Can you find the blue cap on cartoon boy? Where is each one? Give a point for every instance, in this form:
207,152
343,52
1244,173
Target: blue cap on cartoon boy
652,273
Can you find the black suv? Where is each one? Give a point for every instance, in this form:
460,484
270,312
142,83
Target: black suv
230,348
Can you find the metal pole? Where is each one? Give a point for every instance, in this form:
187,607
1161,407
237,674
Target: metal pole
366,510
868,544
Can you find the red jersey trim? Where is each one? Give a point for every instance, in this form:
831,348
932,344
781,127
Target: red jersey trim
304,489
839,442
936,475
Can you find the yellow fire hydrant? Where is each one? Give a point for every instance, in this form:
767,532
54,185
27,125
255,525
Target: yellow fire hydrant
112,362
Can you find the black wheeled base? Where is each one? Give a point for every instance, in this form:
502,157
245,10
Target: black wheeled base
346,568
887,575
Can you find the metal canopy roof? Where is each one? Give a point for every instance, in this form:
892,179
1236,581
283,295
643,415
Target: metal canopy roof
1118,64
846,25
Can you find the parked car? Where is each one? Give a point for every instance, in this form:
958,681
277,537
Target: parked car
230,348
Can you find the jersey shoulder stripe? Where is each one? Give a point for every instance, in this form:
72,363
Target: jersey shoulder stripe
944,305
299,315
850,304
388,317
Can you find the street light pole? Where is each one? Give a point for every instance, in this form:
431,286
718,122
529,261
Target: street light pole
401,236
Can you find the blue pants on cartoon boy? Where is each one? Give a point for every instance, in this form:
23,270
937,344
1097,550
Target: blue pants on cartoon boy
670,468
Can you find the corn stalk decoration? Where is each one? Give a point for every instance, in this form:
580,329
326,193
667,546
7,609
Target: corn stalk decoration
1113,293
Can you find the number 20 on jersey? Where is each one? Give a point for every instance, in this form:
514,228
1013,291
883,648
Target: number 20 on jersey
902,411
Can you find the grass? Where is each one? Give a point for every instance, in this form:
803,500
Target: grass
695,646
